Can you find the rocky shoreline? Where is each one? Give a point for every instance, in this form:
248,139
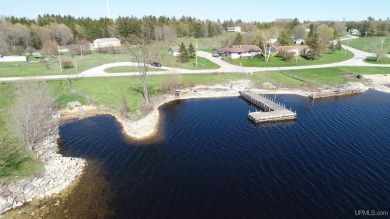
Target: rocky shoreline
59,172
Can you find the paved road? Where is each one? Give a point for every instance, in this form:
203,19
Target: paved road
225,67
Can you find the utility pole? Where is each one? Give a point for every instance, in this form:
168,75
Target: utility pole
108,10
59,58
81,51
75,62
196,54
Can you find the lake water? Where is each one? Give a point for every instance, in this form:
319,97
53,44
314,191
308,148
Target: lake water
210,161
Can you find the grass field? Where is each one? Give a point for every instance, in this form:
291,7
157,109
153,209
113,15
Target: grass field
337,56
37,67
369,44
16,160
372,60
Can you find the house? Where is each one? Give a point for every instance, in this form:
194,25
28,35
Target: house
297,50
299,42
236,29
174,50
354,32
106,42
240,51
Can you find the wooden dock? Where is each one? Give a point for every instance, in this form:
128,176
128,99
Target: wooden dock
273,111
334,93
350,88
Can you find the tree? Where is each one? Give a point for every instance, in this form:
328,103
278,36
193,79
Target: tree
237,39
32,112
284,38
191,50
183,57
299,32
317,46
142,55
265,40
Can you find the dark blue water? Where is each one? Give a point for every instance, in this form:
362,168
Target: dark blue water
211,162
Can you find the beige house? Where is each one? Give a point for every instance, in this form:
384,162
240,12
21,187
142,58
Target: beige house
106,42
236,29
240,51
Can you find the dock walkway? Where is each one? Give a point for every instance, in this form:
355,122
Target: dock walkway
273,111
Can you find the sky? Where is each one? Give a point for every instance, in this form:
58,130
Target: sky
246,10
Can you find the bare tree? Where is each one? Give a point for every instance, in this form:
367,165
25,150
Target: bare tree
299,32
32,112
378,49
169,34
61,33
142,55
265,39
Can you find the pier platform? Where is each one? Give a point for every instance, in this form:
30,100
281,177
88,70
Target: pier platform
274,111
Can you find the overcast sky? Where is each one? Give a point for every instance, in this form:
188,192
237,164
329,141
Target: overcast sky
247,10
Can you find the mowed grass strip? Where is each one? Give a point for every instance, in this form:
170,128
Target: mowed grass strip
373,60
336,56
369,44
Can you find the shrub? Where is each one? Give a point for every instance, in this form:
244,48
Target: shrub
67,64
172,82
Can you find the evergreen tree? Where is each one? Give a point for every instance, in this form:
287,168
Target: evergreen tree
191,50
238,39
183,57
317,46
284,38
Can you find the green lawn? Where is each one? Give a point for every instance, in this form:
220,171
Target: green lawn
124,69
369,44
372,60
337,56
16,160
37,67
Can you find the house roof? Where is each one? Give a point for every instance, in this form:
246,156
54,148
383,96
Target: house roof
175,48
101,40
240,48
288,48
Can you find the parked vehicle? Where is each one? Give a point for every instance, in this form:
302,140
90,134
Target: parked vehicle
156,64
215,55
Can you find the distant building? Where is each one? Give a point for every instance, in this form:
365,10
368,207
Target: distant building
13,58
296,50
354,32
240,51
236,29
106,42
174,50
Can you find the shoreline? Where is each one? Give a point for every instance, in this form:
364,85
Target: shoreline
63,172
147,127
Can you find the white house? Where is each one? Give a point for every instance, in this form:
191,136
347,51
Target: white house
354,32
174,50
299,41
240,51
13,58
106,42
236,29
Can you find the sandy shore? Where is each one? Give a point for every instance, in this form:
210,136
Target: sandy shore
379,82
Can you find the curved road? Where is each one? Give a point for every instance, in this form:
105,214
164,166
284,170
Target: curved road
225,67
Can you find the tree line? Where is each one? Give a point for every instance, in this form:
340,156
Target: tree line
22,34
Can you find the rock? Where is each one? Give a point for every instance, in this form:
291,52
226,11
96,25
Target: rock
268,85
